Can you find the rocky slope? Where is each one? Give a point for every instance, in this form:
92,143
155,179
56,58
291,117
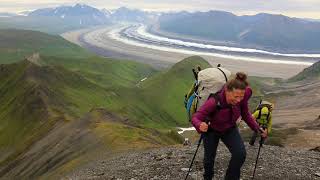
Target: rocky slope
173,162
297,105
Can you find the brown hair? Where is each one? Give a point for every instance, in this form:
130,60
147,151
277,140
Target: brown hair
239,82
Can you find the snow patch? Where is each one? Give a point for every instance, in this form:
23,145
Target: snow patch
182,130
143,79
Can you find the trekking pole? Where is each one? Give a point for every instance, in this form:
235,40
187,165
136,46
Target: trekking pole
194,156
261,142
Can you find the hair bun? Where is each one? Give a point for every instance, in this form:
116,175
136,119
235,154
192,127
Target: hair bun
241,76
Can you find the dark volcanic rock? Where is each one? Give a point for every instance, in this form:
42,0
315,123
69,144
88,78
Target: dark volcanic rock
316,149
173,162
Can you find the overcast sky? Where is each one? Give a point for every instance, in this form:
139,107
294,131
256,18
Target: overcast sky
294,8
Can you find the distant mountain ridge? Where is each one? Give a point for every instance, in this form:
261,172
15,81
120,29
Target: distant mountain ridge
94,15
265,31
133,15
67,18
84,14
6,14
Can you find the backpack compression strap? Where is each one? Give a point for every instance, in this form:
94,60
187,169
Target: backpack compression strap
224,74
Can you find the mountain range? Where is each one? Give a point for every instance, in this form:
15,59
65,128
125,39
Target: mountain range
271,32
65,18
264,31
81,13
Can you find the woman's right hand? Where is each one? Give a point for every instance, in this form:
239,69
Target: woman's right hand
203,127
263,132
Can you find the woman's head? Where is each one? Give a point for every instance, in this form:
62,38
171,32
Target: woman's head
235,88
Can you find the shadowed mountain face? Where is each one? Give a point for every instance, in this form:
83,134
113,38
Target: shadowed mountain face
271,32
34,99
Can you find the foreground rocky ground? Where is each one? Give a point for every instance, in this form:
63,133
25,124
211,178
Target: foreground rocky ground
172,163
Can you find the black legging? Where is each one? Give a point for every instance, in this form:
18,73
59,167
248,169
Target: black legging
234,143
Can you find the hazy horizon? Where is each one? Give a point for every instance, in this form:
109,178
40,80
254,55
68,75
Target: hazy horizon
292,8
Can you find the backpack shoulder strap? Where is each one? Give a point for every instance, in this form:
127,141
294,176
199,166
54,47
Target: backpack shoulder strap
268,116
216,97
259,116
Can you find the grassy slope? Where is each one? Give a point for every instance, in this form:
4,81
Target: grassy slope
17,44
165,91
106,72
312,72
121,78
258,85
66,88
78,92
155,103
39,97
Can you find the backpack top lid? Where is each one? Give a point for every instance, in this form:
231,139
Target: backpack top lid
266,104
265,110
212,75
211,80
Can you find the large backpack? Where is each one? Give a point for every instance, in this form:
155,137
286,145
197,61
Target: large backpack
207,82
263,104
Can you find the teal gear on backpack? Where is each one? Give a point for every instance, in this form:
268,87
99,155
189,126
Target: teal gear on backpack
189,106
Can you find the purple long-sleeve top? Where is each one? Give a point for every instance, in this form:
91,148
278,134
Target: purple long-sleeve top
223,119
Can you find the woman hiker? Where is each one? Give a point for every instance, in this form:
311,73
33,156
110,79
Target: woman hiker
263,116
217,118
